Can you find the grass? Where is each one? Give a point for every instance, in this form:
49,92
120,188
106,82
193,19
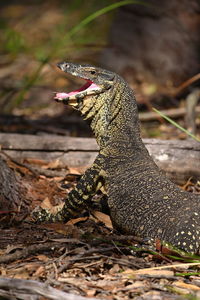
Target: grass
176,125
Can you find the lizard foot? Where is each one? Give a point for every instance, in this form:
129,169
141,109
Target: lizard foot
41,215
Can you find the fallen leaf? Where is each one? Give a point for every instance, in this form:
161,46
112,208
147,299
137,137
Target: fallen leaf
148,271
153,295
46,204
35,161
57,179
39,272
115,269
42,257
91,293
76,171
52,165
77,220
3,272
103,218
137,285
66,229
186,285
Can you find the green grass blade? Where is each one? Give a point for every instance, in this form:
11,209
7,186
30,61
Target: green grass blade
102,11
89,19
67,36
176,124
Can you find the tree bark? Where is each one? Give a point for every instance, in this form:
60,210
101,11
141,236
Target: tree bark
12,195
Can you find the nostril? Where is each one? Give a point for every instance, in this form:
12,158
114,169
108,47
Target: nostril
59,65
62,65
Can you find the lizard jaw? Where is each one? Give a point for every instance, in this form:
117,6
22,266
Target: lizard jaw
89,88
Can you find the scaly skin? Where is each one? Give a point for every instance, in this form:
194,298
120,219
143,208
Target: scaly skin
142,201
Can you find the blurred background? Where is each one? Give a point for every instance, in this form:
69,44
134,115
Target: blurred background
154,45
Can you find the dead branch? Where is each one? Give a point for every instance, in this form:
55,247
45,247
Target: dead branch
12,288
185,84
29,250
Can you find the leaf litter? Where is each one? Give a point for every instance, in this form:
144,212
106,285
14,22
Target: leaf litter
87,257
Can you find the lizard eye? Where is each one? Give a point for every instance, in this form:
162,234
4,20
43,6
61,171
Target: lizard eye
92,72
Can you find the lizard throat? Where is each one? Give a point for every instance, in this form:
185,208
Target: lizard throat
71,98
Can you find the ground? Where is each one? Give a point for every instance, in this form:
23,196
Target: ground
88,257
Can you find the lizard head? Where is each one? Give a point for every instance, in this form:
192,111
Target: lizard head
97,81
99,100
105,100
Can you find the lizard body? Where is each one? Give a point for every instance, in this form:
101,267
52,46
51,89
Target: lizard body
142,201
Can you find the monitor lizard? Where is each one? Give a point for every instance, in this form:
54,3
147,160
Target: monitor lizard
141,199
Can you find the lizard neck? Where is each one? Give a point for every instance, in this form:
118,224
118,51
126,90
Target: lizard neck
117,123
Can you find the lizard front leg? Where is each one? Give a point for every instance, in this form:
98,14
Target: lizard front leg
79,198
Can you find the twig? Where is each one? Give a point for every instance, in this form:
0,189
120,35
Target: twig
29,251
119,238
172,113
124,262
80,257
36,171
49,173
186,84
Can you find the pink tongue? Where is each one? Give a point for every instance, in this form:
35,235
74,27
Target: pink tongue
61,96
89,85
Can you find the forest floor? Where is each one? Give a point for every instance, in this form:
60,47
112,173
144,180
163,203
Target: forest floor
85,256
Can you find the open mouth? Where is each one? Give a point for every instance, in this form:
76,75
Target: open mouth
88,88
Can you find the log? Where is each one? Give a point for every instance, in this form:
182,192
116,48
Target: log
179,159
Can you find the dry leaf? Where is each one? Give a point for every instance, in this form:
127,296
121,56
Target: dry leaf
77,220
103,218
149,271
137,285
52,165
22,275
46,204
57,179
35,161
115,269
184,285
66,229
31,266
39,272
3,272
42,257
91,293
76,171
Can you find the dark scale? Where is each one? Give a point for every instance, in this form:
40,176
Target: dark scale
141,200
